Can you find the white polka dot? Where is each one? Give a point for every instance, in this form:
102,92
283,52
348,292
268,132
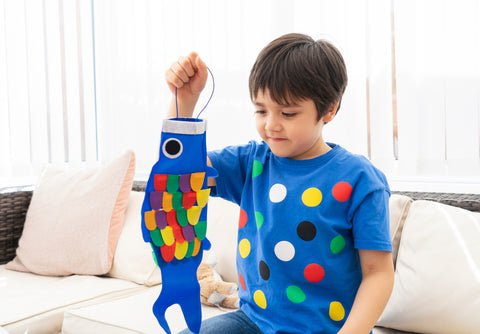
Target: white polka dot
284,250
278,192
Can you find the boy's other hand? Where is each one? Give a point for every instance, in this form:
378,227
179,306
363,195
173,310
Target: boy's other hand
189,75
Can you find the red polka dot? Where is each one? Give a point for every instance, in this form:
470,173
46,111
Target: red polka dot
243,218
314,273
242,282
342,191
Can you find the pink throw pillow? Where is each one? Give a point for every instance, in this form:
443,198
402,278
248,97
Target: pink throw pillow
75,219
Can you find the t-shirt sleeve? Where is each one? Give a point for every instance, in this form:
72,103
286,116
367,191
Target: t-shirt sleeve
231,164
371,226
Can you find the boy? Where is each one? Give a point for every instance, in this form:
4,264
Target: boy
314,250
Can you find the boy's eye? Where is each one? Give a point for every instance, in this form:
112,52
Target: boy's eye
260,112
289,114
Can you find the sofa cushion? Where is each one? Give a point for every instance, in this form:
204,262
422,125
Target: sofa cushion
134,315
128,315
398,207
37,303
75,218
222,231
437,277
133,258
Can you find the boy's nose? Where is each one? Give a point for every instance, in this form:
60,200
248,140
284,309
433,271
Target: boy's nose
272,123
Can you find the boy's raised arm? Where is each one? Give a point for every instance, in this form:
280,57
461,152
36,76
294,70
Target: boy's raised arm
189,75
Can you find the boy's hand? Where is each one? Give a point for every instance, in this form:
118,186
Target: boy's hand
189,75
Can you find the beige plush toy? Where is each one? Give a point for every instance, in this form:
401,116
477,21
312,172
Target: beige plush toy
213,290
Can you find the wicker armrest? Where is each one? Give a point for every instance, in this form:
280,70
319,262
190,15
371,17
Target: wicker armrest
13,208
465,201
139,185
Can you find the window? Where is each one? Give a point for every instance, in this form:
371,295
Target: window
85,80
47,87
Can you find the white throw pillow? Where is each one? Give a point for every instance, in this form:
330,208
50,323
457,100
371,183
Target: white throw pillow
74,219
133,258
398,208
437,277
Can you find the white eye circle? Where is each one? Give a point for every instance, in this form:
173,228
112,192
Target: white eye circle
172,148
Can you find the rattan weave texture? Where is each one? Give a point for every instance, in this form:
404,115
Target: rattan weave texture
13,209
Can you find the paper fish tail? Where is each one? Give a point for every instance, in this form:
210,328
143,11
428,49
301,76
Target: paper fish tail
191,309
180,286
159,310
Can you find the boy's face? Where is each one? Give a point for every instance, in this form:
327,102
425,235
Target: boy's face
292,130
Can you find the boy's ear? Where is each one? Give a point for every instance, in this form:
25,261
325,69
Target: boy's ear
331,113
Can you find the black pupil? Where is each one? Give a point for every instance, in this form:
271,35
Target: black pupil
172,147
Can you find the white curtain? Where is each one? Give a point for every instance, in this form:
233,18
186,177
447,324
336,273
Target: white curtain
47,90
438,92
85,80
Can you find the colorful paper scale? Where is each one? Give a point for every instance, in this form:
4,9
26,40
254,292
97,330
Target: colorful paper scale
173,222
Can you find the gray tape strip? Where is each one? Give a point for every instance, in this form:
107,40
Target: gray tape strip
184,127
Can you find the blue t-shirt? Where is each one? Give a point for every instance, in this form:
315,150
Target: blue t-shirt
301,223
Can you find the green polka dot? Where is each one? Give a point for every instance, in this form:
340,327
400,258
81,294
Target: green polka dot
257,168
337,244
259,219
295,294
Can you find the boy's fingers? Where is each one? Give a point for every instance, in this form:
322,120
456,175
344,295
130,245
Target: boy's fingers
193,56
191,70
180,71
186,64
201,68
184,69
173,79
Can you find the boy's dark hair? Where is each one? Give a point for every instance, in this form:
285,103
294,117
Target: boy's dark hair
295,67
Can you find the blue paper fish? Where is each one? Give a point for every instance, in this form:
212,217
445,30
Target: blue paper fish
174,216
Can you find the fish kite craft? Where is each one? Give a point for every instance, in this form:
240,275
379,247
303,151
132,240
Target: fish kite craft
174,216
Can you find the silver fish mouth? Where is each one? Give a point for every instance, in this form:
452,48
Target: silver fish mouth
186,126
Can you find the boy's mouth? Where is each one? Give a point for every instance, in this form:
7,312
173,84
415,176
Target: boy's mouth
276,139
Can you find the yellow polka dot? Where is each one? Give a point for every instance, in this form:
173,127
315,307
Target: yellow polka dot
260,299
336,312
312,197
244,248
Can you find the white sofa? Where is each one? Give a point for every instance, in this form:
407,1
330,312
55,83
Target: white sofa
102,304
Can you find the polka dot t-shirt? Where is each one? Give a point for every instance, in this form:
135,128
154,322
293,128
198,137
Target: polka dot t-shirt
301,223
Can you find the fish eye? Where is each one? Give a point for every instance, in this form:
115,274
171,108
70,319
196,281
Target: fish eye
172,148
